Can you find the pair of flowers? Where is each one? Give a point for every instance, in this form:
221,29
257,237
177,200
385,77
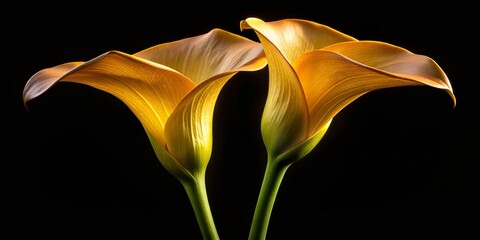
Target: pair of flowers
172,88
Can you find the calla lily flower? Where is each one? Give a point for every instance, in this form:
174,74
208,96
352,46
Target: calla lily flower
314,72
172,89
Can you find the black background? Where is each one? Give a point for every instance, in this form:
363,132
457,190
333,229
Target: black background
78,165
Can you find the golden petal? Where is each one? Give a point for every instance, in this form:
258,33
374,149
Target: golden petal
150,90
204,56
189,130
339,74
293,37
285,115
396,60
44,79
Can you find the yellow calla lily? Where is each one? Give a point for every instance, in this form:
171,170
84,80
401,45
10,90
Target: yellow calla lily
172,89
315,72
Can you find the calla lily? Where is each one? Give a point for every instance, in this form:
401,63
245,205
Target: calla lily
314,72
172,89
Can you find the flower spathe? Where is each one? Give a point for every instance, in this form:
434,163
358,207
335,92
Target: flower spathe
172,89
316,71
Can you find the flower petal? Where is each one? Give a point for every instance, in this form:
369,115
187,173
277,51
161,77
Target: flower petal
44,79
189,130
204,56
396,60
338,74
150,90
293,37
285,115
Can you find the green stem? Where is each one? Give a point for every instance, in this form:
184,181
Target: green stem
272,179
197,193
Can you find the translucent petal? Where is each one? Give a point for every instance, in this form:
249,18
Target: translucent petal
337,75
204,56
44,79
285,116
396,60
150,90
189,130
293,37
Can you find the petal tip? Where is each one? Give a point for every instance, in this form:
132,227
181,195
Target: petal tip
452,95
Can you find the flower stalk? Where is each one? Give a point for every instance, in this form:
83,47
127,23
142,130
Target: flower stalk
197,194
272,179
